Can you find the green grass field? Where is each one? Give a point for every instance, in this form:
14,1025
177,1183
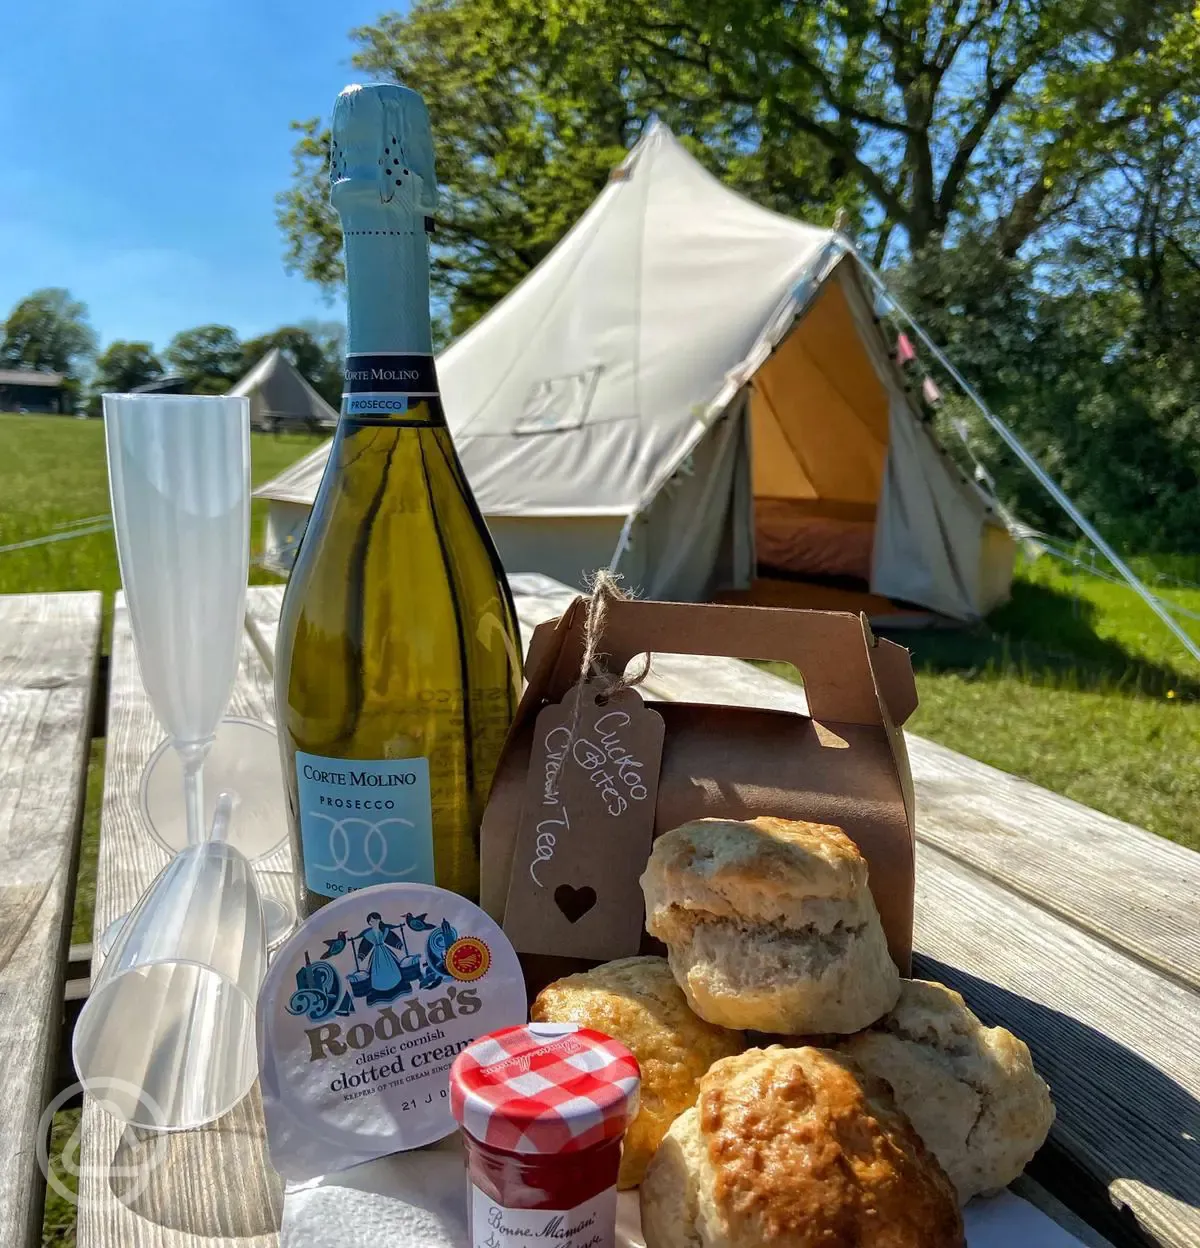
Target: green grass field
1074,684
52,474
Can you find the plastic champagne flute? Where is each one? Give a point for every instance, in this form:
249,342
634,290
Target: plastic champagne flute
179,477
166,1040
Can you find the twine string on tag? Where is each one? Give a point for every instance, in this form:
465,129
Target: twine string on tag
604,588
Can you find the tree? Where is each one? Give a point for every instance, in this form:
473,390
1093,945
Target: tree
121,367
297,344
49,331
935,107
525,140
920,117
209,357
330,337
124,365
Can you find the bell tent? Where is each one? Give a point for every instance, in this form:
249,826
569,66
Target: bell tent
280,397
695,392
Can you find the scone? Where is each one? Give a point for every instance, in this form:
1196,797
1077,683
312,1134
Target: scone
796,1148
636,1001
971,1091
770,926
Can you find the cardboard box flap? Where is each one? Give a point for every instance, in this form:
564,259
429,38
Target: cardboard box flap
830,649
894,677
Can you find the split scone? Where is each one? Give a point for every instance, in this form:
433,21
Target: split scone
770,925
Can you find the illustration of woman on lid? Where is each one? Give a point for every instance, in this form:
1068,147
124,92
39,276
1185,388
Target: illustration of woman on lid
391,974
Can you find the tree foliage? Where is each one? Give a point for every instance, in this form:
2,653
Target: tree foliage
122,366
920,118
49,331
1022,169
208,357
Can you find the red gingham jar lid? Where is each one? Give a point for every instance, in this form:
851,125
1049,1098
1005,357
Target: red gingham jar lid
544,1088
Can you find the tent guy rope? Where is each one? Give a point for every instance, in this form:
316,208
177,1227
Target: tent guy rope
1043,478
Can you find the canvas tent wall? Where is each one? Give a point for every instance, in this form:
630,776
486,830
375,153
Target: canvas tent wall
281,398
687,377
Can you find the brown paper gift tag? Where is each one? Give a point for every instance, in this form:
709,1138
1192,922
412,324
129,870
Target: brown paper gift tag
586,824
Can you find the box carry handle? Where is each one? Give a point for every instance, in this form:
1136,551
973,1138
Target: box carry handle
830,649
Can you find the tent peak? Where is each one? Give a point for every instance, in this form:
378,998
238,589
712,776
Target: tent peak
623,170
656,135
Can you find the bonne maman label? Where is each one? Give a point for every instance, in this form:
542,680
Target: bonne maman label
361,1016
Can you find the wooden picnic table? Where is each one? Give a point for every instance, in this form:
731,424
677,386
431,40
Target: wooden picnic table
1077,931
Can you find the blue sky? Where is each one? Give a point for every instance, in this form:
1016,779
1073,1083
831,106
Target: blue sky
144,142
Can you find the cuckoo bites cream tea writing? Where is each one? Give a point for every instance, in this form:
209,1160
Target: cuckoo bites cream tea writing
585,826
603,970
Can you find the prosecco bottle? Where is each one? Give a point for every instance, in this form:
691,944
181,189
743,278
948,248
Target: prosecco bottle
397,661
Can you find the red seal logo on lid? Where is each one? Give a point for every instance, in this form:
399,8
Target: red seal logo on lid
468,958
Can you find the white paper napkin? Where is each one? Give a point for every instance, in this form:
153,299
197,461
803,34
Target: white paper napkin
419,1200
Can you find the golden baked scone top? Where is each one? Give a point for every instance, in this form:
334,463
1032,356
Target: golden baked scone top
807,1150
769,863
637,1001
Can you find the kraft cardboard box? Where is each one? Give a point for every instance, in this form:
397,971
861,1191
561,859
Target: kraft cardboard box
844,763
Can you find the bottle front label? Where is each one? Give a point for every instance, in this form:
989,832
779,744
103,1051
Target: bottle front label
590,1225
378,388
364,822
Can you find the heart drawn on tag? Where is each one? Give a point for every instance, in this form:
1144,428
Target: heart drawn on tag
574,902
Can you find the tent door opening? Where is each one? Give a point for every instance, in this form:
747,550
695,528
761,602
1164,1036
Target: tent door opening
818,415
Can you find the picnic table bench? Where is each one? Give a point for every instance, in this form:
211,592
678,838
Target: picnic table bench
1077,931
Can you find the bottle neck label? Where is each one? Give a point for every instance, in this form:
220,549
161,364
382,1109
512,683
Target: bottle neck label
391,388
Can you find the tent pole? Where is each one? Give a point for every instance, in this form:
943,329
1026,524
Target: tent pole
1044,479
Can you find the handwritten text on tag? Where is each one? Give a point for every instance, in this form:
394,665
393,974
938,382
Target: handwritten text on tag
586,827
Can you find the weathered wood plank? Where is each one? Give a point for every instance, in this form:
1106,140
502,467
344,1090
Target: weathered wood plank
1118,1043
1130,888
216,1182
49,651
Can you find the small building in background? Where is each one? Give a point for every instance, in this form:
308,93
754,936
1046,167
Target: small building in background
26,390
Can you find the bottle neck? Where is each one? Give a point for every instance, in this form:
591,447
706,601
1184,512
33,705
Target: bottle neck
390,376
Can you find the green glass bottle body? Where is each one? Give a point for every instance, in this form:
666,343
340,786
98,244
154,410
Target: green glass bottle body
398,662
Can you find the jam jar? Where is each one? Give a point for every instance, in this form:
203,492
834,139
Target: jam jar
543,1110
